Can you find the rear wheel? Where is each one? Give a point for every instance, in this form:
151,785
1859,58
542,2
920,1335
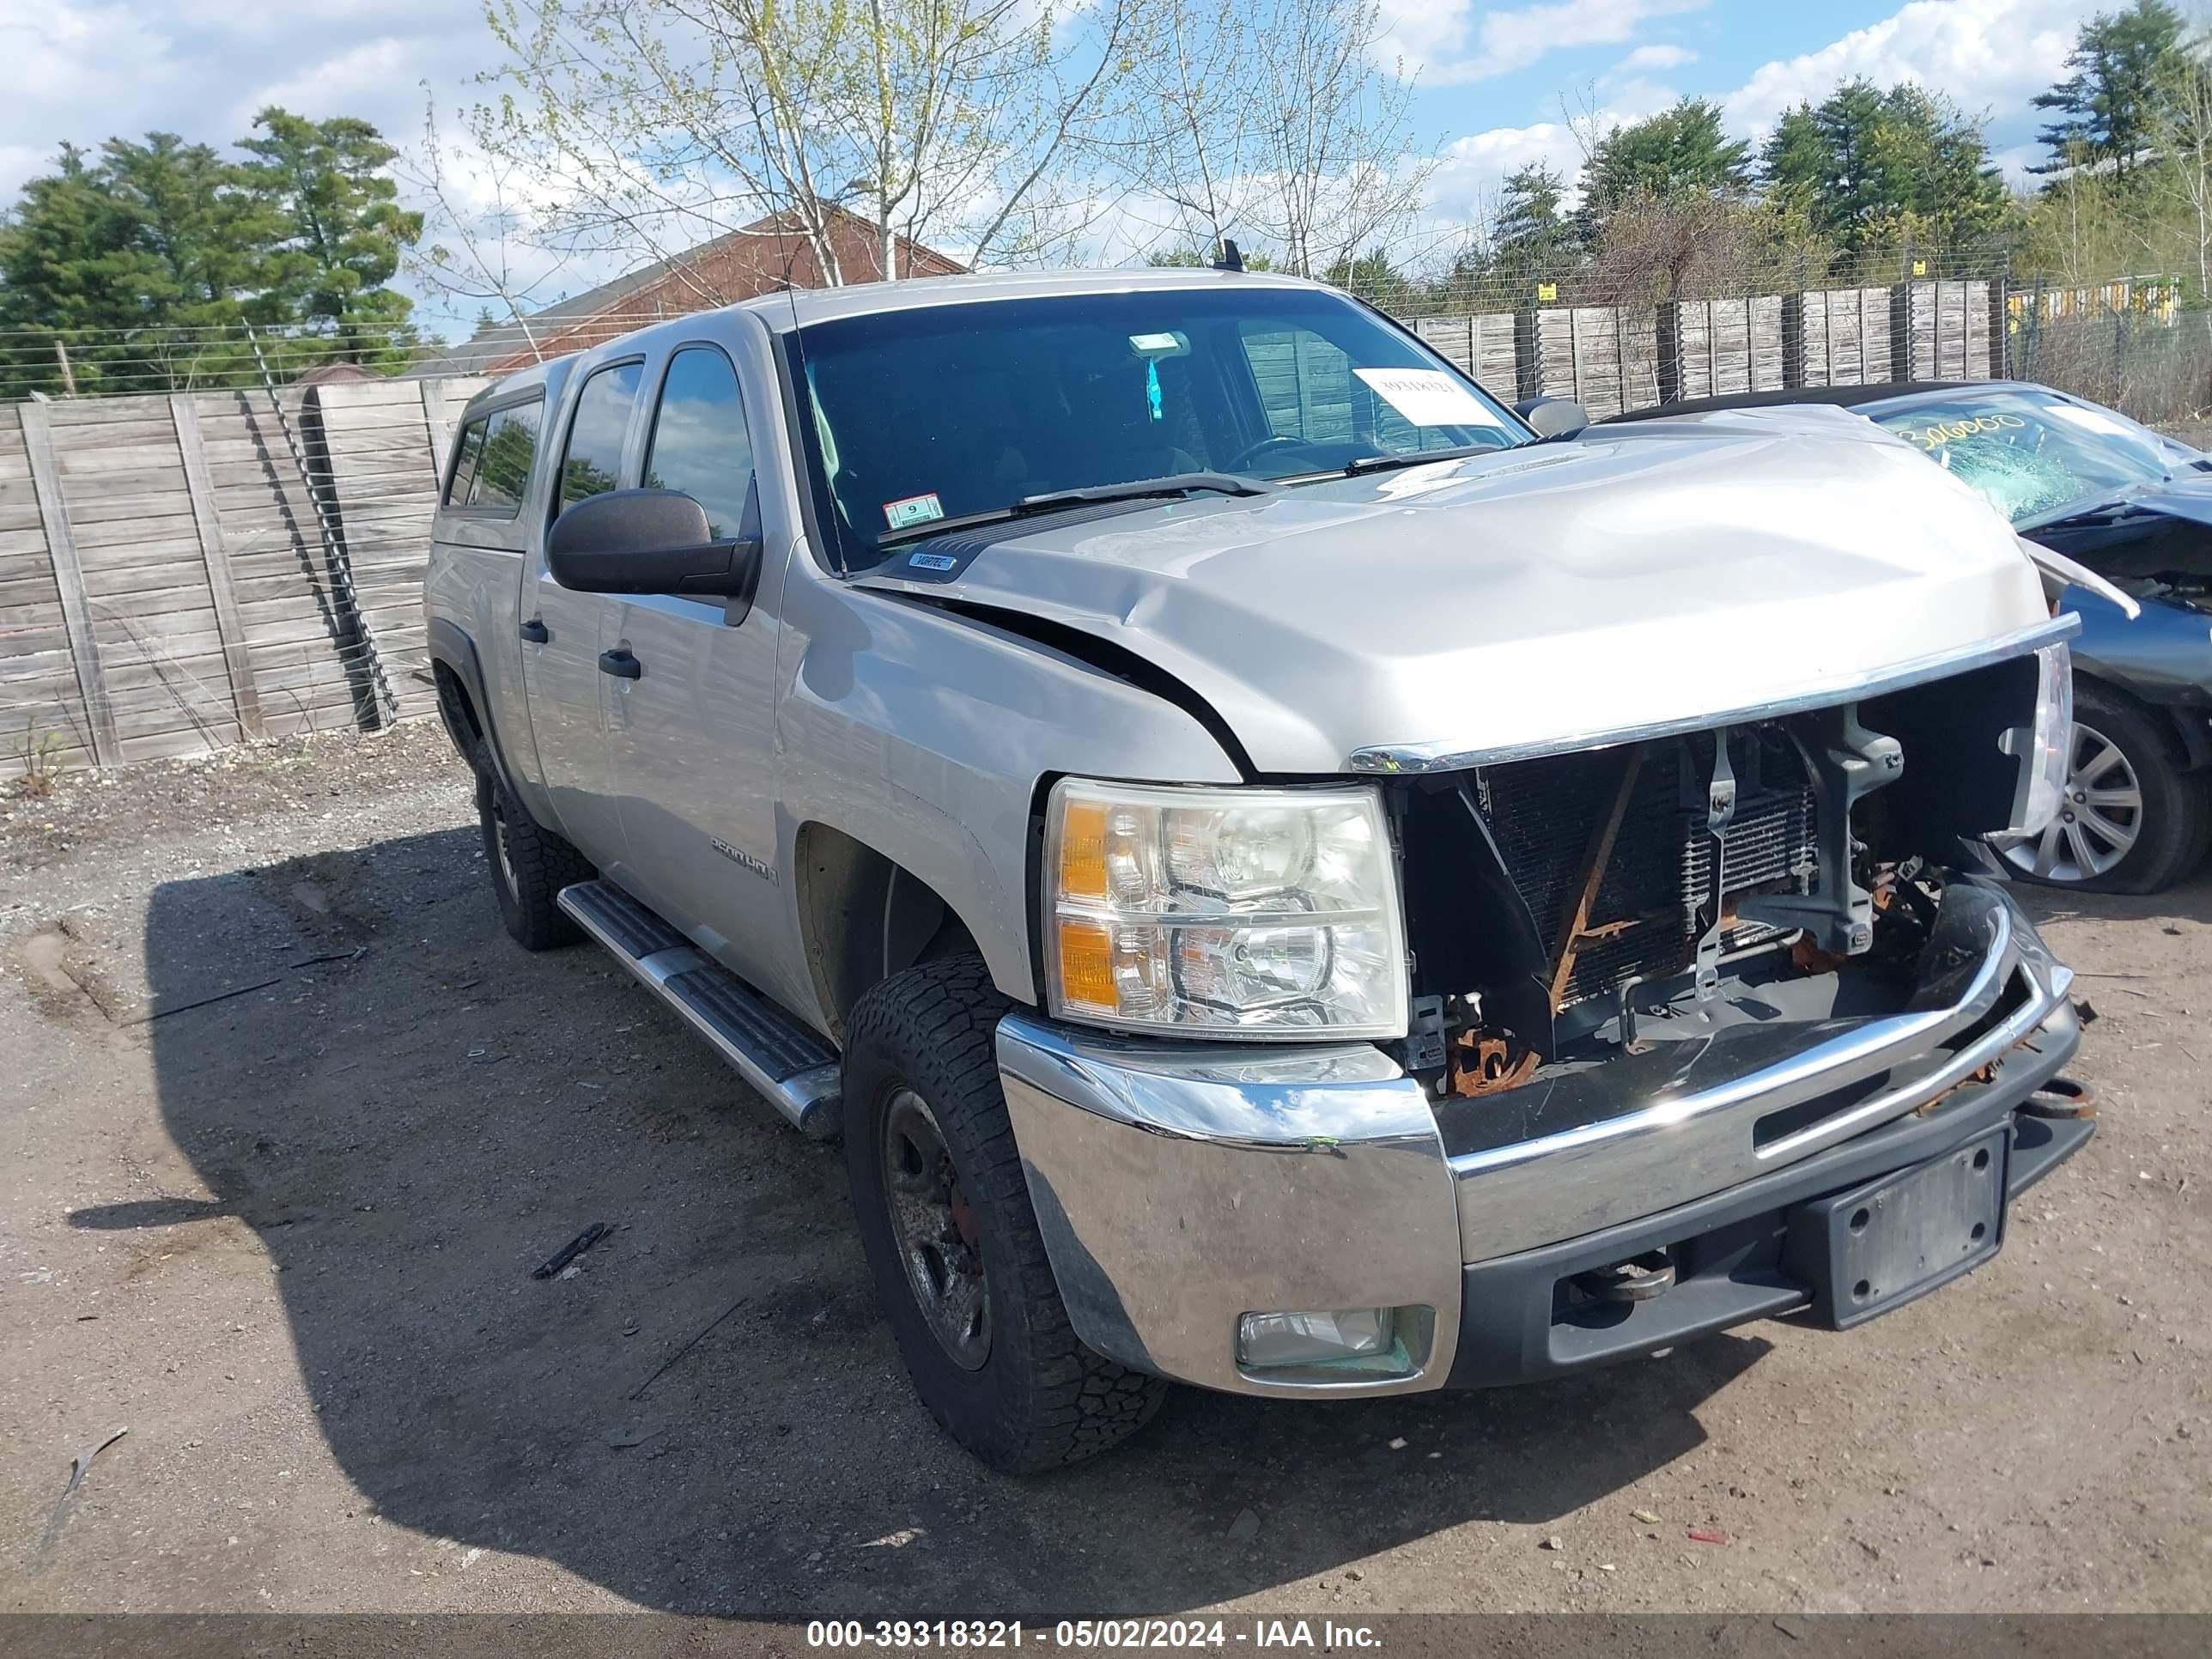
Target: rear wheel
944,1213
2131,820
530,865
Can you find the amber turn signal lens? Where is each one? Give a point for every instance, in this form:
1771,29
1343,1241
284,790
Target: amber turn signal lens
1083,850
1086,964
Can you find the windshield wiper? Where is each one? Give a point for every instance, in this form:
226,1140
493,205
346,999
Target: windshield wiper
1133,490
2072,513
1417,458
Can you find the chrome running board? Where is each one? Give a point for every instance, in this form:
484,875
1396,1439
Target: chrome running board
792,1065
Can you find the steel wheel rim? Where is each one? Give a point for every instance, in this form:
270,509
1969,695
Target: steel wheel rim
934,1229
2100,816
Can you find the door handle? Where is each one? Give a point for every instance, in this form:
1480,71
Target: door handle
619,663
536,632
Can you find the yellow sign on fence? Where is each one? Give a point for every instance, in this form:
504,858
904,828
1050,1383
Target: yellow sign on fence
1547,290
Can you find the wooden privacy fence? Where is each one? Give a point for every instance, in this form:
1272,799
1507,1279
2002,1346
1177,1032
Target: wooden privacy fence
1611,358
181,572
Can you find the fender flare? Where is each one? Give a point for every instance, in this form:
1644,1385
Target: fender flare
450,645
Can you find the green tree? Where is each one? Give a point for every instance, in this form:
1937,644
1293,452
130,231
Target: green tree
1869,169
2107,112
1374,278
147,261
1531,239
343,228
144,262
1680,151
1793,163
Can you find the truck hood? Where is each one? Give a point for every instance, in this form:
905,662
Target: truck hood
1660,573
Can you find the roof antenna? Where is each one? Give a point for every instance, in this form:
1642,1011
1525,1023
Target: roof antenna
1231,259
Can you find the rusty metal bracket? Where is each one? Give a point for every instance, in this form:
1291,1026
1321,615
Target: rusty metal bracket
1575,928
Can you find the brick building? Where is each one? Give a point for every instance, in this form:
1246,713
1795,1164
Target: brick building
766,257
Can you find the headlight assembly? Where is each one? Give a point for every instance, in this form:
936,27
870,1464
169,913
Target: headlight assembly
1252,913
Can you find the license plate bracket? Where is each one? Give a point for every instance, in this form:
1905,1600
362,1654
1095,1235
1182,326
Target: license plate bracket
1878,1246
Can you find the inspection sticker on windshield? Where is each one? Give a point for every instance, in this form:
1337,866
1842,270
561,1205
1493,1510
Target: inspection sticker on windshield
912,510
1427,397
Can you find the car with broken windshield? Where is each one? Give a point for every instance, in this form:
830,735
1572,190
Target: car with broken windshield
2133,508
1283,880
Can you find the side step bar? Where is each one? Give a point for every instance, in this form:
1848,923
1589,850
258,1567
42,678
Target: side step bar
791,1065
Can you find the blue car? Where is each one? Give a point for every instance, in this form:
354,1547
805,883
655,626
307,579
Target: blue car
2134,507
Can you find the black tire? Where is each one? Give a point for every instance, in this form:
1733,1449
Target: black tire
529,863
1036,1398
2171,827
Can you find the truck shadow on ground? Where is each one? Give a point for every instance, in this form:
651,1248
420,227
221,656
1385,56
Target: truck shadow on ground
706,1415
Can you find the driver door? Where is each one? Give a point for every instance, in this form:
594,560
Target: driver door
688,738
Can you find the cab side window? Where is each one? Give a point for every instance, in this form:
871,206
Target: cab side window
464,466
502,466
591,463
699,443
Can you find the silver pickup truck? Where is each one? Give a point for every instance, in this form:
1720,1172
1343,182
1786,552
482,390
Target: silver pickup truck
1283,878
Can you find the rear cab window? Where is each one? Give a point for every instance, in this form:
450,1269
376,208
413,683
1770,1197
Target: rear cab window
492,464
465,462
510,449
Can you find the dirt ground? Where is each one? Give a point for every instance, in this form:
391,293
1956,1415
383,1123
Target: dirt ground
286,1122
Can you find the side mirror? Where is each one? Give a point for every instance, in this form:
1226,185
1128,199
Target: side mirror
1552,417
653,541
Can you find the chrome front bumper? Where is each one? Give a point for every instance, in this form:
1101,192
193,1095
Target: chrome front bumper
1180,1186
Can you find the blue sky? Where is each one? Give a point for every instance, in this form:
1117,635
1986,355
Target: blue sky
1490,77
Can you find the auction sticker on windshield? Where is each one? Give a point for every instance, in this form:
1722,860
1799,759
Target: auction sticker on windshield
912,510
1427,397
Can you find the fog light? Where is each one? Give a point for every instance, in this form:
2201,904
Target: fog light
1269,1341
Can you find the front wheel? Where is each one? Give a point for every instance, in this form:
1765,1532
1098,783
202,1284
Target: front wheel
2131,820
945,1216
530,865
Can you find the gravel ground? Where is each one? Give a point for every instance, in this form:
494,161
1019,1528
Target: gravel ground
288,1122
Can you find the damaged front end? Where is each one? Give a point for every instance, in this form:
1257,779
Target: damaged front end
1570,911
1707,1026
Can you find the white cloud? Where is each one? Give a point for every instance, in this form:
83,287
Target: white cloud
83,70
1472,170
1661,58
1446,44
1983,54
1980,53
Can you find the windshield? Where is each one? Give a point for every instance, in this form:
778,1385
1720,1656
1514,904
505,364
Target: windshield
915,415
2030,453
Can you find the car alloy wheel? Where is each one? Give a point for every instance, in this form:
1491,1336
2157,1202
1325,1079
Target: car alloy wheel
935,1229
2100,816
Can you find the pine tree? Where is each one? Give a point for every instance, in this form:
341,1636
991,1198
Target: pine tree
1682,151
343,228
1532,238
149,259
2107,110
1869,169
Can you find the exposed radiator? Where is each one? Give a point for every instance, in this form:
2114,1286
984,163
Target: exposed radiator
1544,815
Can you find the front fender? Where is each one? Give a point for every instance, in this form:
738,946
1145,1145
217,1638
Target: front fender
927,736
451,646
